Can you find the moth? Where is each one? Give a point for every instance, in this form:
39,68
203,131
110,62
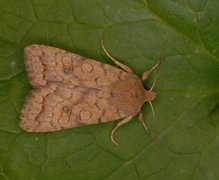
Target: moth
70,91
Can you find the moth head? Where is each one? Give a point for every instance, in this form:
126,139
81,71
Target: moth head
149,95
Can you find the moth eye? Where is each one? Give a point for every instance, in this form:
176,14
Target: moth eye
65,109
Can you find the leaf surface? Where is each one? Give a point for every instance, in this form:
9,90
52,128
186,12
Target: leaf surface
182,142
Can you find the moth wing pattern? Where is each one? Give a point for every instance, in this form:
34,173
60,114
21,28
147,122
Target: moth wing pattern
59,106
72,91
48,64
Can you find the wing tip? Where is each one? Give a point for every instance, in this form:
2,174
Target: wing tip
33,61
27,125
27,122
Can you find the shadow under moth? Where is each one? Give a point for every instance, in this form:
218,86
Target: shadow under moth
70,91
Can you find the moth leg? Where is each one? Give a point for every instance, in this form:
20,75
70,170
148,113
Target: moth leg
146,74
123,121
141,119
123,66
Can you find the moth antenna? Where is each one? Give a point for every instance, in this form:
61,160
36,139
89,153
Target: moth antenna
162,54
154,83
158,64
152,109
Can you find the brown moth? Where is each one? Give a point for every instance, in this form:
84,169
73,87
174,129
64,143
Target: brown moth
70,91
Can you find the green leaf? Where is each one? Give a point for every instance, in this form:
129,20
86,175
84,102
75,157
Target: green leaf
182,142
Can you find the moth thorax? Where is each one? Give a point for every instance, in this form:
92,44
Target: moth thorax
149,95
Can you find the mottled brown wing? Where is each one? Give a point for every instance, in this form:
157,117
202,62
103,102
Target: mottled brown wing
71,91
48,64
59,106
